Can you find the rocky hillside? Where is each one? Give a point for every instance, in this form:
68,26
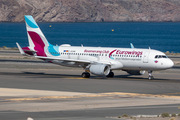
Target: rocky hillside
90,10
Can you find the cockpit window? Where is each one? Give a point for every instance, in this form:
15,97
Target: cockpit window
160,56
164,56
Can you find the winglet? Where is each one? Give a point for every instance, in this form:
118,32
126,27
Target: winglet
132,46
20,49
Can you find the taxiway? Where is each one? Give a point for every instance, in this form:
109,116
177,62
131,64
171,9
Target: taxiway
32,88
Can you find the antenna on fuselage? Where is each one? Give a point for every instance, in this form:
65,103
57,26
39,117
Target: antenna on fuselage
81,45
149,48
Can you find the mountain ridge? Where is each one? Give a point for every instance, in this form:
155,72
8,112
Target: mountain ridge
91,10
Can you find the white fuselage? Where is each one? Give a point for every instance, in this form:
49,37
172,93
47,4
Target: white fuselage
118,58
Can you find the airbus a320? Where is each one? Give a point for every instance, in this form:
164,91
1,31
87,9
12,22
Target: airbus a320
100,61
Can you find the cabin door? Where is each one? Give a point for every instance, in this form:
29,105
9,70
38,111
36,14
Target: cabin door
145,57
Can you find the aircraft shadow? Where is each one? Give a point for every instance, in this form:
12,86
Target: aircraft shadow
21,61
38,74
132,77
70,76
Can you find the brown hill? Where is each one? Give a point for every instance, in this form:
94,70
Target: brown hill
90,10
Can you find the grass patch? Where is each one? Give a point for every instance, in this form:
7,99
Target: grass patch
165,115
125,115
173,115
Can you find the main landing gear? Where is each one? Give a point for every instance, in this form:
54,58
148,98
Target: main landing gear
150,75
85,75
111,74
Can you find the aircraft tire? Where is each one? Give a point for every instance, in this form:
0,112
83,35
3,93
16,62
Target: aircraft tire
150,77
85,75
110,75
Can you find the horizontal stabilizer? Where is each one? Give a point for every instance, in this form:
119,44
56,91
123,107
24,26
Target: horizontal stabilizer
20,49
31,51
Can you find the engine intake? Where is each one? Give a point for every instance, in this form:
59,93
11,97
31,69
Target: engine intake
99,69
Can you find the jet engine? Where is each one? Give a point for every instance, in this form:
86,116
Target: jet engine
99,69
136,72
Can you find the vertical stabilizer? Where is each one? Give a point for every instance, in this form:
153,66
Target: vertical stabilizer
37,40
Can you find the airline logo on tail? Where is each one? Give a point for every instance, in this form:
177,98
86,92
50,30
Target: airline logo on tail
37,40
30,21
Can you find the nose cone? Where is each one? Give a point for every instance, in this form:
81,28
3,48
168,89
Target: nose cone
170,64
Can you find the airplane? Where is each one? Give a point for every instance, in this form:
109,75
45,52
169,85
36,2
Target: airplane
100,61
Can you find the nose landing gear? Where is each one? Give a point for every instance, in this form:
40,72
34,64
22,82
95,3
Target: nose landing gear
150,75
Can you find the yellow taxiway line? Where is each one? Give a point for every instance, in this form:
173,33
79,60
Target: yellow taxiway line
122,94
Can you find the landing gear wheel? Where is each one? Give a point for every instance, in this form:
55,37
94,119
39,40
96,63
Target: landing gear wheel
111,74
150,75
85,75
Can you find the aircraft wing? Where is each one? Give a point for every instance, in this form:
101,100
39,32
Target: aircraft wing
63,59
72,60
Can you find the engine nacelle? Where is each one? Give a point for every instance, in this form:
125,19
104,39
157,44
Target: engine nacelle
99,69
136,72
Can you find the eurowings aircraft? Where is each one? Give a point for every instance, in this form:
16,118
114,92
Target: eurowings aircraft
99,61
